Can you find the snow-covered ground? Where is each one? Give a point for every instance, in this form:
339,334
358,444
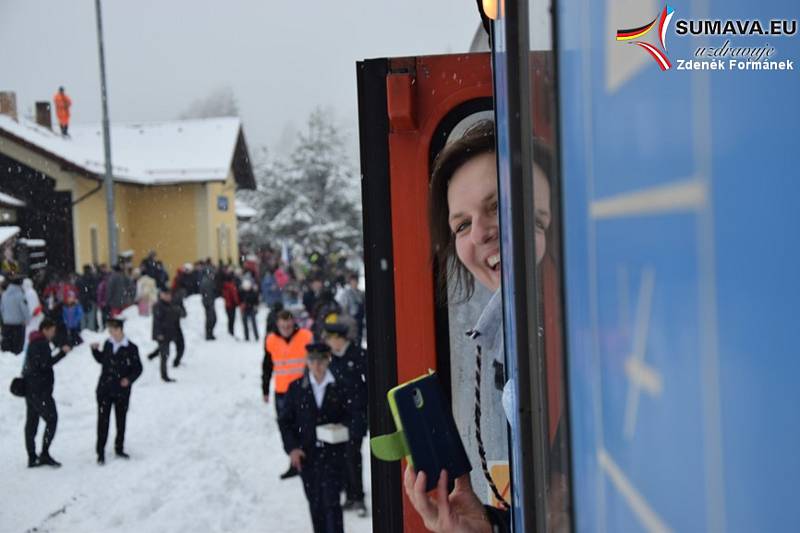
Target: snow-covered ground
205,451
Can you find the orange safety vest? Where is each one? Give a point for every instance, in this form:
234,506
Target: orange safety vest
288,358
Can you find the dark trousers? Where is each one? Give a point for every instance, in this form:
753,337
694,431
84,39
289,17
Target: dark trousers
280,403
44,407
89,320
322,475
211,320
180,345
74,336
231,318
13,338
249,319
163,352
104,405
353,479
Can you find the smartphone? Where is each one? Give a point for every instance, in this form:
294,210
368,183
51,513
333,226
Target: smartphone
426,422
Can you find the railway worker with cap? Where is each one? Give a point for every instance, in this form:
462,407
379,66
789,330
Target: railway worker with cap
315,400
349,368
285,356
121,367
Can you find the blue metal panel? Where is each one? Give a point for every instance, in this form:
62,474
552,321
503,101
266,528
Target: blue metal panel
680,203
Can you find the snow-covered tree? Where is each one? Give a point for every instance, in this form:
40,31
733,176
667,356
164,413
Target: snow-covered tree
218,103
310,199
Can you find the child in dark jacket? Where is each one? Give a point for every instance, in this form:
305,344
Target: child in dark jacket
72,315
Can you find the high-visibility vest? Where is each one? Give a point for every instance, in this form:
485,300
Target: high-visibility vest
288,358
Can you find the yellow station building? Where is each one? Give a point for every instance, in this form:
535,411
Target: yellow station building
174,187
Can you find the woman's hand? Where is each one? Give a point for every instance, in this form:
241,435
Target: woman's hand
459,512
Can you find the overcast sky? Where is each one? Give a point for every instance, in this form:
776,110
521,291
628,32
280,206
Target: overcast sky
280,58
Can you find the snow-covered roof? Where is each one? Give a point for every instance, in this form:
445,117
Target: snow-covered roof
147,153
6,232
7,199
245,211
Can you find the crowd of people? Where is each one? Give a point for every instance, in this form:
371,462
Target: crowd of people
313,353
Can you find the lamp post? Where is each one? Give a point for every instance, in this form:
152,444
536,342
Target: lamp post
108,179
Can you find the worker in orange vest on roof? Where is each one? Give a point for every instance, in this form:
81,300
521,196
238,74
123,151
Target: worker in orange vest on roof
285,353
62,103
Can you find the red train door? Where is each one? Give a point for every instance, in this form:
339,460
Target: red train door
407,109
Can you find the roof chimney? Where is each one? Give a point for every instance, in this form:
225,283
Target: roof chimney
8,104
43,116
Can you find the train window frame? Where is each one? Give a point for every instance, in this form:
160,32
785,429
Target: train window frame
524,356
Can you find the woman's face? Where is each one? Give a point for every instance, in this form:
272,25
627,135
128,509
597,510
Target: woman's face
472,204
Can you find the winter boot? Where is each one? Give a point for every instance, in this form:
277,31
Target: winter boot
122,455
101,458
33,461
45,459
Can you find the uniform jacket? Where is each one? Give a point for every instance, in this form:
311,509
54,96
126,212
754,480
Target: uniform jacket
38,367
123,364
14,307
287,357
166,320
350,371
300,417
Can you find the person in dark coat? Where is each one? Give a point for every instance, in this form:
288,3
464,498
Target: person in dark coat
349,368
314,400
115,292
121,367
312,295
87,295
39,381
208,293
248,295
166,324
272,318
